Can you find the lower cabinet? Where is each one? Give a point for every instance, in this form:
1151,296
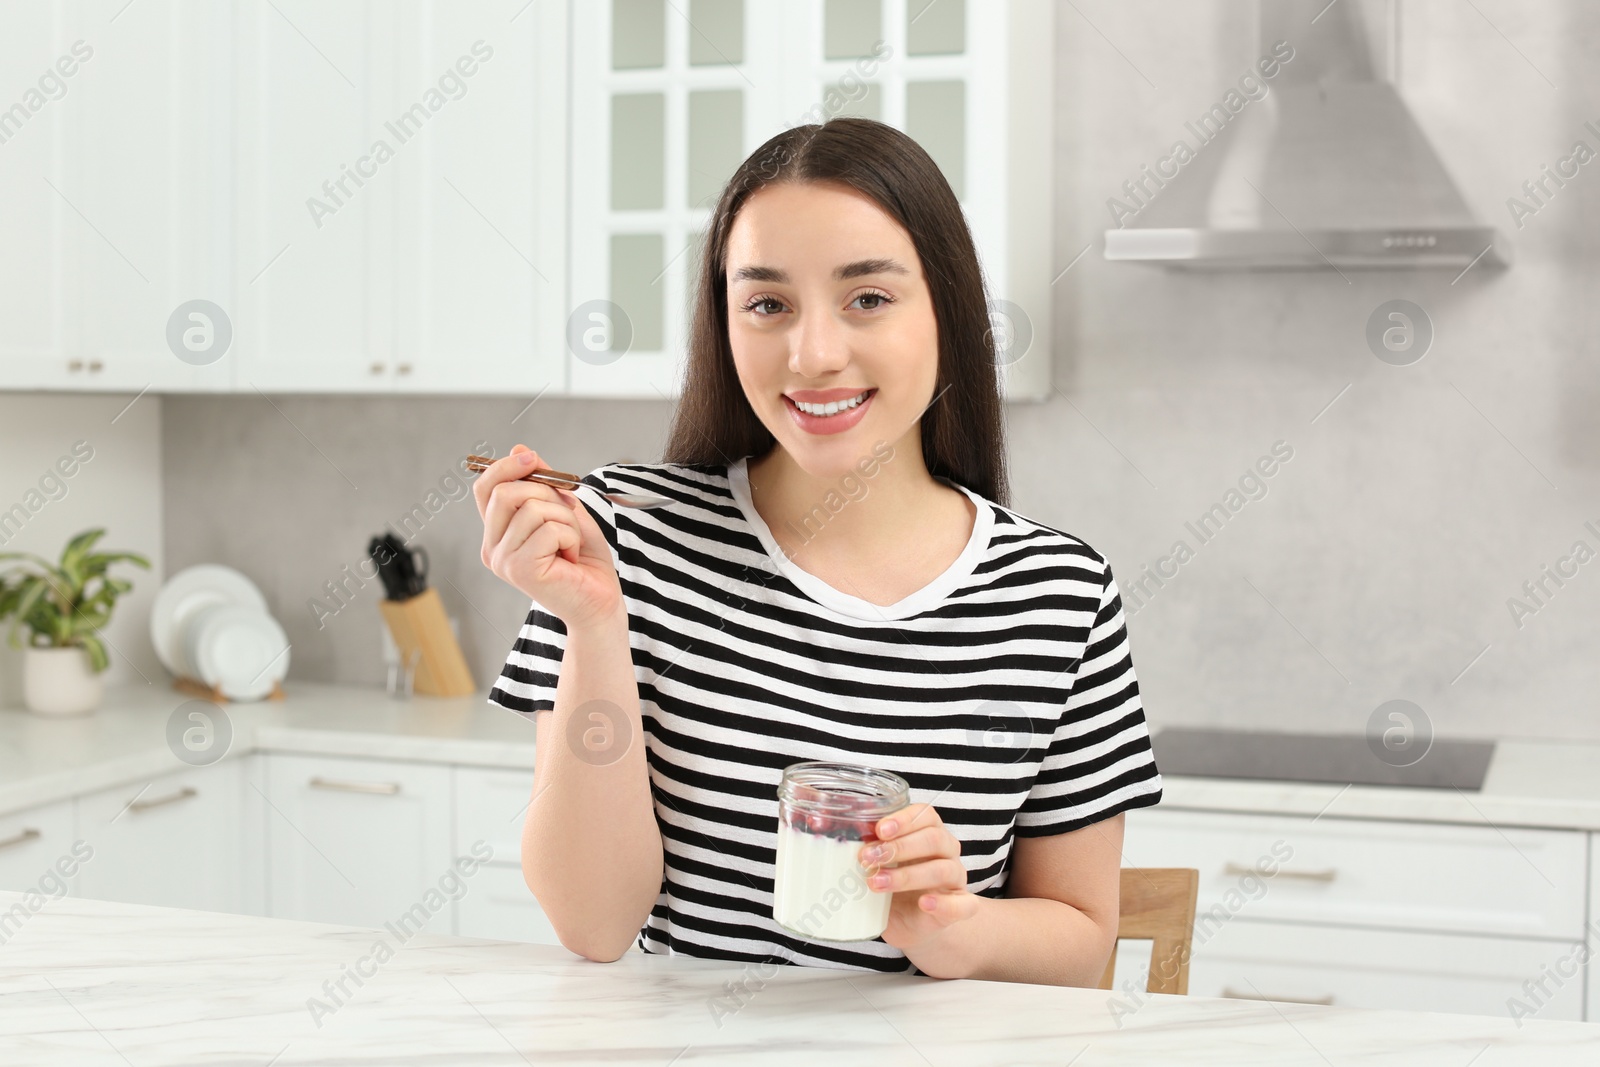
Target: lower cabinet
359,842
498,905
175,841
1376,914
356,842
490,805
36,852
1509,977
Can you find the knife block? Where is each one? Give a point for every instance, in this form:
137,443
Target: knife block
420,627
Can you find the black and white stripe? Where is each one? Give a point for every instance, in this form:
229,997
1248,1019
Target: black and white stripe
1004,693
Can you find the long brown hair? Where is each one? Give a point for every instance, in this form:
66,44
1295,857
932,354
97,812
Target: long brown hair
963,428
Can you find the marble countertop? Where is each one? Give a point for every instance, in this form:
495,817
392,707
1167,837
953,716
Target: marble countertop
1553,784
44,759
1531,783
90,982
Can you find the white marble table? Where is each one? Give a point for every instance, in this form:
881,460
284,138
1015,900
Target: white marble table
88,982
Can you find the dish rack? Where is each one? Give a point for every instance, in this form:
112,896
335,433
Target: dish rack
195,688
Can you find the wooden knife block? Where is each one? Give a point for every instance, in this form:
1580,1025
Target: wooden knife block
419,625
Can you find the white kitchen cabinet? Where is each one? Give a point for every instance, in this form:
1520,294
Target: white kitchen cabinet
112,220
39,268
176,841
665,107
479,210
490,805
156,194
358,842
503,198
498,905
312,311
1360,872
404,223
32,843
1377,913
668,100
1383,969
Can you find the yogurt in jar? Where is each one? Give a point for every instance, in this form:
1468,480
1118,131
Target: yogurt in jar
826,813
821,888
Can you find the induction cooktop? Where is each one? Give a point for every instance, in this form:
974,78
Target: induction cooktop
1338,759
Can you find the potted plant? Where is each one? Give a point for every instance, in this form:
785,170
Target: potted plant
64,606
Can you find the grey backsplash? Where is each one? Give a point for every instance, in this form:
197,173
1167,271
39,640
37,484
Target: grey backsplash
1379,564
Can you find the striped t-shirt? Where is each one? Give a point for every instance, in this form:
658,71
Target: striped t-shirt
1003,692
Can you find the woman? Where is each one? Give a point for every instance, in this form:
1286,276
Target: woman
836,578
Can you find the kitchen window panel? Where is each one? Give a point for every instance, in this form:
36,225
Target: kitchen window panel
716,33
851,27
637,287
936,27
716,142
691,272
638,151
936,117
638,34
858,98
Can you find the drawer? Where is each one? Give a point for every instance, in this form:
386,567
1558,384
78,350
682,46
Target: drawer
37,852
490,805
1394,875
359,842
1388,970
172,841
499,905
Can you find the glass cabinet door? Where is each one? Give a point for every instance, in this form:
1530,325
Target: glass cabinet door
669,98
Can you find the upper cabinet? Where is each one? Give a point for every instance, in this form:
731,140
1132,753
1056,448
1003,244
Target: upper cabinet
669,98
401,220
115,177
311,238
505,197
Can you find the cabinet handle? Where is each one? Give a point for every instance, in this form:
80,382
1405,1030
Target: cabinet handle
95,366
27,835
1234,994
386,788
404,368
1309,876
74,365
376,368
183,794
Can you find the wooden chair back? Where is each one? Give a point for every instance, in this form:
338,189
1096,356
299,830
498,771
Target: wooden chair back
1158,905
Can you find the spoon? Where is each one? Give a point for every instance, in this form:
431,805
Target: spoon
562,480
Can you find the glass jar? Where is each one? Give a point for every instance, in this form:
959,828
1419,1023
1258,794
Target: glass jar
826,813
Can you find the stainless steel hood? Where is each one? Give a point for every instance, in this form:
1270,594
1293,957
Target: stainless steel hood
1327,169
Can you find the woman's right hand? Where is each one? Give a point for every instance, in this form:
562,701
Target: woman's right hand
543,541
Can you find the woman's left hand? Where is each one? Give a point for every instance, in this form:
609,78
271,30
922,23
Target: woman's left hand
928,880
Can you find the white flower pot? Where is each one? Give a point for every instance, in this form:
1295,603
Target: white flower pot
58,681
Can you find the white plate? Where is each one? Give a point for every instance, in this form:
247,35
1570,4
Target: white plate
182,598
189,638
240,650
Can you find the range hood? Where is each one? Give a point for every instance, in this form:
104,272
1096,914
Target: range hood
1327,169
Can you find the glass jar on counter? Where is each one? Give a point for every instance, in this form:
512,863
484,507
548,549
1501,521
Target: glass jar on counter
826,813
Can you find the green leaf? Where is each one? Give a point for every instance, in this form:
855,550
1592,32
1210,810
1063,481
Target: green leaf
39,561
68,603
79,546
104,559
98,660
34,590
